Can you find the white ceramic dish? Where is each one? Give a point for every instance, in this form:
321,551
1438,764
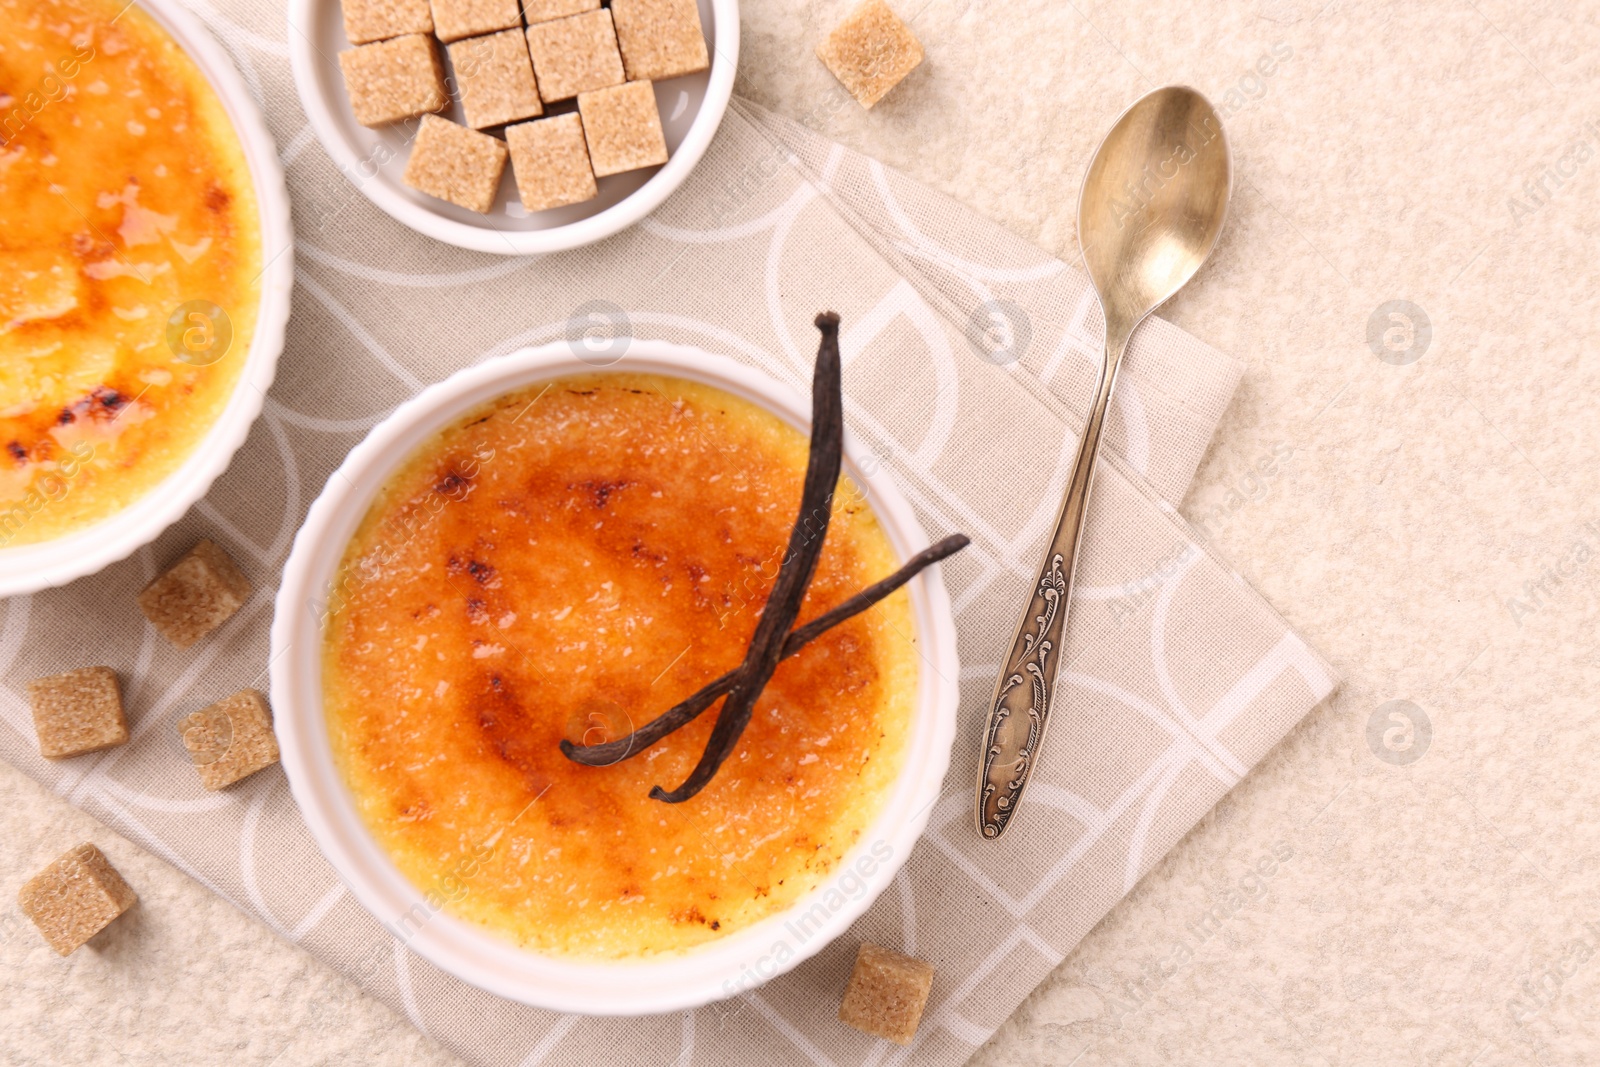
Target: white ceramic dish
711,972
373,159
29,568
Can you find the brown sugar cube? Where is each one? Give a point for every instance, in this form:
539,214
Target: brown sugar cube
545,10
870,51
231,739
495,78
393,80
197,594
623,128
77,712
550,161
659,38
456,164
75,898
377,20
455,19
574,55
887,993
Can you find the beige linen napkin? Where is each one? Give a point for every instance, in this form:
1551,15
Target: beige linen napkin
1178,678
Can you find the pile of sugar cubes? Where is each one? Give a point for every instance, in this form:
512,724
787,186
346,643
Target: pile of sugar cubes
80,712
571,88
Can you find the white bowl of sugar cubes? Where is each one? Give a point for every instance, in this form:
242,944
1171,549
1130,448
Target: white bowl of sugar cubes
513,126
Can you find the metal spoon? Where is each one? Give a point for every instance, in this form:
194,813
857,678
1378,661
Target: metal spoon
1153,202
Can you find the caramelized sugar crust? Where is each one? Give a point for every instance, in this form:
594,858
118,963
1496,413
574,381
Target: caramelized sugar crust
569,562
126,197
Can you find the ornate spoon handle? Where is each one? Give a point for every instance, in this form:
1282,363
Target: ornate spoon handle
1021,706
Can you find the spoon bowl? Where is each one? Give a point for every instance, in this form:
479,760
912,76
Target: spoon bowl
1153,202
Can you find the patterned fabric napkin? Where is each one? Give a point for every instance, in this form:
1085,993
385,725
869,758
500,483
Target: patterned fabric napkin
969,356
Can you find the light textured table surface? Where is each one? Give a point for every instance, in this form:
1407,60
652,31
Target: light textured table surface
1432,526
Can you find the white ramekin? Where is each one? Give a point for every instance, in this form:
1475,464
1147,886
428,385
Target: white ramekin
720,969
373,159
28,568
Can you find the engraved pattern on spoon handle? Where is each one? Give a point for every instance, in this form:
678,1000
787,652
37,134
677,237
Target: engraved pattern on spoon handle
1020,709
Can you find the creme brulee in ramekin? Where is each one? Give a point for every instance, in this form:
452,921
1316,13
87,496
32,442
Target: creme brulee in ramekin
130,262
569,561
